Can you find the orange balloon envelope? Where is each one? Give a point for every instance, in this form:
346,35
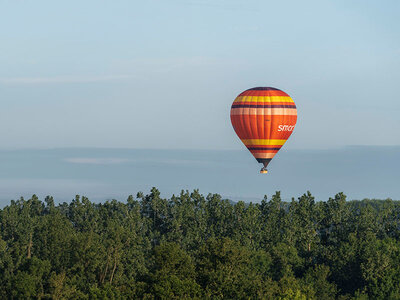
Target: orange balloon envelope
263,118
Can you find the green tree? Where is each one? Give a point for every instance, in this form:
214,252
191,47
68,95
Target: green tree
173,276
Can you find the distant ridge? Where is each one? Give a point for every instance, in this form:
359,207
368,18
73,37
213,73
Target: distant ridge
106,173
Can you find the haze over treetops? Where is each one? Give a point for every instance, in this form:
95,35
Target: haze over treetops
360,172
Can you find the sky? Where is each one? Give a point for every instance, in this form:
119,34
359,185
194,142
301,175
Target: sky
163,74
103,173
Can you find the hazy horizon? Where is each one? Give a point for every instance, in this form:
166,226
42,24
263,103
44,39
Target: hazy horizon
101,174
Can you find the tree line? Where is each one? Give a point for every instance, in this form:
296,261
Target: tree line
200,247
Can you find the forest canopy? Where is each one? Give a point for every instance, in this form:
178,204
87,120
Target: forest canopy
195,246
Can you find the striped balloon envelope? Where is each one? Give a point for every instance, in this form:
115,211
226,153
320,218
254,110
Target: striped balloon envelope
263,118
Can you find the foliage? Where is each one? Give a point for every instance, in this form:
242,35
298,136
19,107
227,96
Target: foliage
197,247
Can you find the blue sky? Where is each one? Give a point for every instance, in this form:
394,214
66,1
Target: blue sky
163,74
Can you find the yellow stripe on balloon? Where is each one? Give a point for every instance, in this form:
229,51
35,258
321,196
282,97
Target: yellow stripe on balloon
263,99
264,155
263,142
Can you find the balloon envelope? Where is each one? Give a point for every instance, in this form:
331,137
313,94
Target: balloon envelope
263,118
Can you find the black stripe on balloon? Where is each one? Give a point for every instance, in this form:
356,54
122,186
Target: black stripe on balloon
260,88
264,161
262,106
262,148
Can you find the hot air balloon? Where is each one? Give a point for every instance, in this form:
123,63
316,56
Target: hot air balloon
263,118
